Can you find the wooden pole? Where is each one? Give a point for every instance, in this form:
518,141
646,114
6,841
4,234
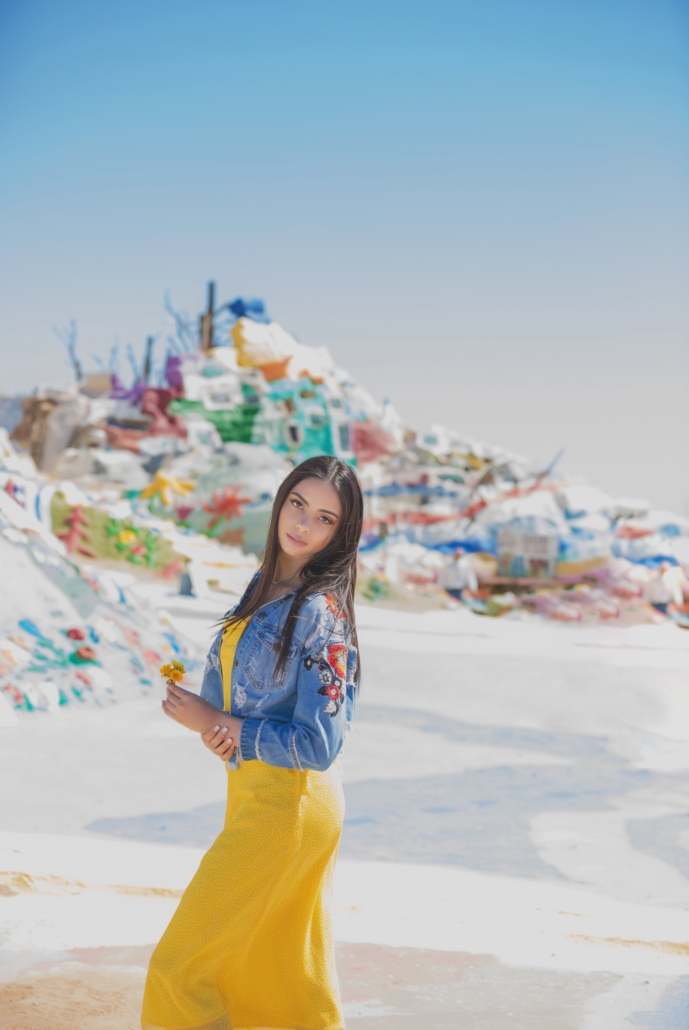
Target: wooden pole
148,356
207,320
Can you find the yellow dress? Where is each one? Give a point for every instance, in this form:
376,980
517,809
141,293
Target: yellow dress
250,946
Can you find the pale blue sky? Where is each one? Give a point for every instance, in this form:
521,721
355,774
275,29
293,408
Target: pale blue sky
481,207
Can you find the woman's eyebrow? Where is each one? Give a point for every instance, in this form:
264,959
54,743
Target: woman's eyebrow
326,511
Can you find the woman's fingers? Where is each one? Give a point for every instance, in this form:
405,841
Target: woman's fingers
181,698
168,709
209,734
217,741
215,737
224,747
175,689
225,750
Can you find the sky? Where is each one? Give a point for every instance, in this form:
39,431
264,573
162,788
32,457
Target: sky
481,207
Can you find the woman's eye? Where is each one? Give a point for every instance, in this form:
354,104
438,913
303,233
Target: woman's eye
296,503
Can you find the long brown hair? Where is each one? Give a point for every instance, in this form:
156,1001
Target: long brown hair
332,570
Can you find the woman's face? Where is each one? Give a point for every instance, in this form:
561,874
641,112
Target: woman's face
309,519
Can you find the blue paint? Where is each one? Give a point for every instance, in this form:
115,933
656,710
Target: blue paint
661,838
172,639
197,828
479,819
673,1011
30,627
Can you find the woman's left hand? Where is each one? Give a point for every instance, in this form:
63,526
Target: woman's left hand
220,742
189,709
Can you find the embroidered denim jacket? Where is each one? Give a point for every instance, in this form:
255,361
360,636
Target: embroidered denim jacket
299,718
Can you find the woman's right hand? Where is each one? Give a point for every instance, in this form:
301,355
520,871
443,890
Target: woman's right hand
217,741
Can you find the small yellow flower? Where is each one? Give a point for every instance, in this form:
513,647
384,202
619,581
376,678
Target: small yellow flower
172,671
127,536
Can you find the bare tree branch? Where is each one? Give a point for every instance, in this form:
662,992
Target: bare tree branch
68,338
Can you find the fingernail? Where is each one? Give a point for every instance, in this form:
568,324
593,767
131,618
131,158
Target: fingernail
216,728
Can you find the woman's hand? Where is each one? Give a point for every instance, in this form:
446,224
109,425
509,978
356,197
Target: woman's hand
219,741
189,709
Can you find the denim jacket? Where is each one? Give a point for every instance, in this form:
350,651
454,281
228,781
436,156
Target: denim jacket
299,719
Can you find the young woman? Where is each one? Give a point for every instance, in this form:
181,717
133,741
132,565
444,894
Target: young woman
250,945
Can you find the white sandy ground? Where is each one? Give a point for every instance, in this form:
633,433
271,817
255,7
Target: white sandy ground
460,632
548,685
72,892
594,848
624,913
649,727
373,754
657,739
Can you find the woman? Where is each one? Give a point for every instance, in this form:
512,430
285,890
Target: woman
250,945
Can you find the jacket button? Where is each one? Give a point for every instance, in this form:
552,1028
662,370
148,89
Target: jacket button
236,663
261,615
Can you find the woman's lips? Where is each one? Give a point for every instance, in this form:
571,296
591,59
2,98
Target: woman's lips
293,540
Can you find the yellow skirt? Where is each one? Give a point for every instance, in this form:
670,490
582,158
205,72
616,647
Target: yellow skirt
250,946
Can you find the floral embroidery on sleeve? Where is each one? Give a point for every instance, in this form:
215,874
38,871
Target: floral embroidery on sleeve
332,607
331,662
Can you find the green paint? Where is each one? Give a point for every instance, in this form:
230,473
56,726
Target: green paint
377,589
235,425
104,537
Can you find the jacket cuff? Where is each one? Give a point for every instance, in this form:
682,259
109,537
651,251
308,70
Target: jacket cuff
248,739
